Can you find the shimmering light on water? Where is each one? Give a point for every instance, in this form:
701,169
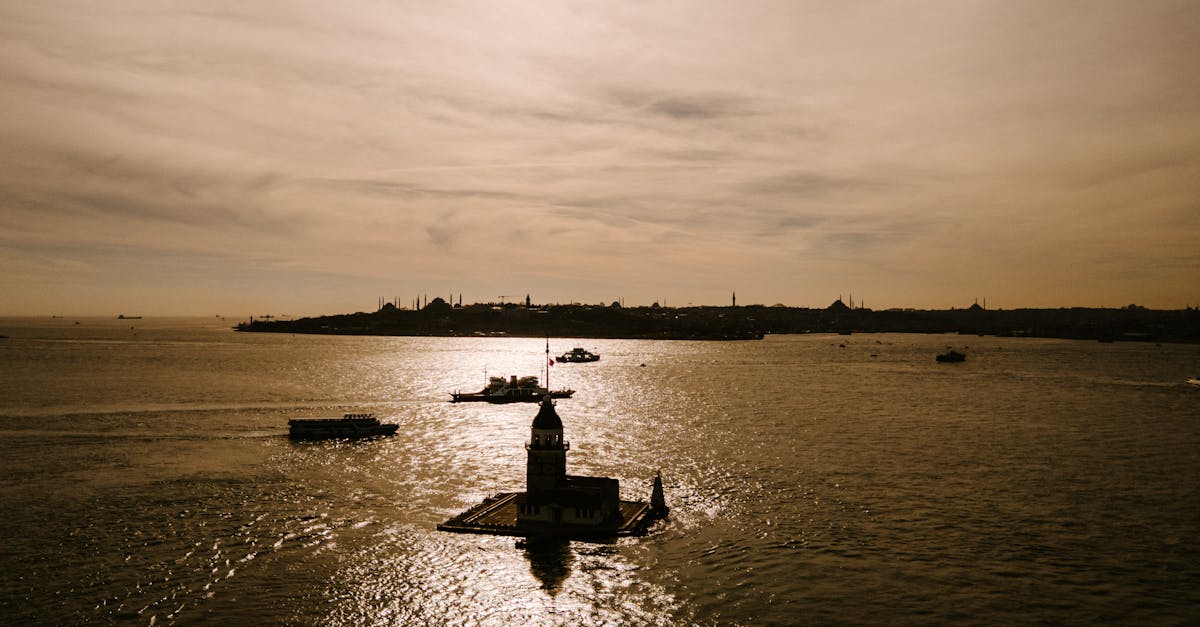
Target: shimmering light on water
146,478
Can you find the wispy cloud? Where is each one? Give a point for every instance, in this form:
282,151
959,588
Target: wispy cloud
785,148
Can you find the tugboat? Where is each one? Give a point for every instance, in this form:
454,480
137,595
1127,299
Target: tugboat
348,426
951,355
513,390
578,355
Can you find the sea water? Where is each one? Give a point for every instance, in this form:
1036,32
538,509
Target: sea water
146,478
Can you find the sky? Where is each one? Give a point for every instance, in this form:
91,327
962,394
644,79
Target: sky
306,158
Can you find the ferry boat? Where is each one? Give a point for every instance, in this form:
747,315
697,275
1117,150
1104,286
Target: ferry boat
512,390
578,355
951,355
348,426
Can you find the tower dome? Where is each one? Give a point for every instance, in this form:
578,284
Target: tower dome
546,417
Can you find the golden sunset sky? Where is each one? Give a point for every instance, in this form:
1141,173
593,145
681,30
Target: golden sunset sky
166,158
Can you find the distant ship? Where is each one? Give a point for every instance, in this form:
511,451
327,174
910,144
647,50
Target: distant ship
125,317
578,355
513,390
951,355
348,426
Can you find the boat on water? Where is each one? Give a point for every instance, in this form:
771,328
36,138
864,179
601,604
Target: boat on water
578,355
512,390
951,355
348,426
1194,380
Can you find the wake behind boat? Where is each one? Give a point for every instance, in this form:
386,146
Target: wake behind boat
512,390
348,426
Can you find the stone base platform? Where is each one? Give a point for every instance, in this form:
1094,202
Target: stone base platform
497,515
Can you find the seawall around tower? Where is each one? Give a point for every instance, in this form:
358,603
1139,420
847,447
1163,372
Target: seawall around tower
497,515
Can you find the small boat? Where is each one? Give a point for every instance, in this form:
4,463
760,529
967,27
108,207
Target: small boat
578,355
951,355
348,426
1194,380
513,390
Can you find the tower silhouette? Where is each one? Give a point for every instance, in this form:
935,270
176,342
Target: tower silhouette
546,466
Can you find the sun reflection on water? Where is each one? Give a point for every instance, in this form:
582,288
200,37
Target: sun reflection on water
408,577
447,457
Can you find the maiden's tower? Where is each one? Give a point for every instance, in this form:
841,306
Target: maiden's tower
555,503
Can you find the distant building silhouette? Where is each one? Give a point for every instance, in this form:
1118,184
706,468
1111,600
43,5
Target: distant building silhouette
837,306
438,306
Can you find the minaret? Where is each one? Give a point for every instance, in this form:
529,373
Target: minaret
546,467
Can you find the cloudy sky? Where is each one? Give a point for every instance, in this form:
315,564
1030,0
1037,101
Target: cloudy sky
299,158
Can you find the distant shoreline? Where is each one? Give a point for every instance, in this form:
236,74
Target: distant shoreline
439,319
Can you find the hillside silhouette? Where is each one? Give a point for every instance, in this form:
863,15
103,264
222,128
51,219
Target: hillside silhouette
439,318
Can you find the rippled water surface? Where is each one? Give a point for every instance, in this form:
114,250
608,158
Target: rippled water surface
147,478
